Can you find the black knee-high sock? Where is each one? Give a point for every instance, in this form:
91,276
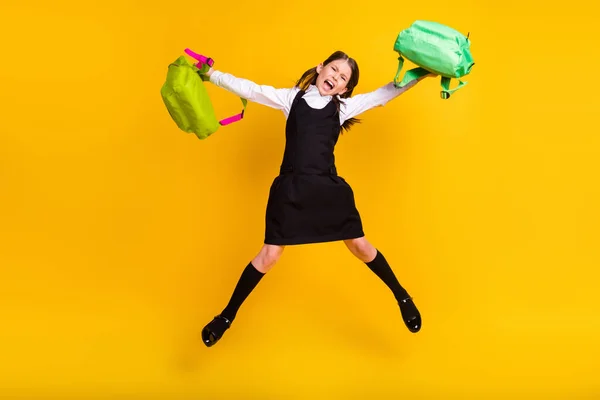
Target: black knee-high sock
381,268
247,282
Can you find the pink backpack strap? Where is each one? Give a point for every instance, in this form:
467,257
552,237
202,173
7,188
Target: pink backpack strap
201,59
207,60
235,118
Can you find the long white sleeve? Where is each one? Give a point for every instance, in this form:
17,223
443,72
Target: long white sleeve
280,99
360,103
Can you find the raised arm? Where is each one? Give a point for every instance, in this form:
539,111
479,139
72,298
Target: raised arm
280,99
360,103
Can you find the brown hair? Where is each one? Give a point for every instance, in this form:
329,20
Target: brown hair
310,78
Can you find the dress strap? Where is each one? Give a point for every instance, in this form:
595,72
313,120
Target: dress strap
298,97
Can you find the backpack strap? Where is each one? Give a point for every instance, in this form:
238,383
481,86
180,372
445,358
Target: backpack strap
409,75
201,59
203,65
446,91
418,72
236,117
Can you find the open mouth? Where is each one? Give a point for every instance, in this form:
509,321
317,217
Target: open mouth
328,84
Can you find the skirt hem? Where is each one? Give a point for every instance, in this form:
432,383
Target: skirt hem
313,239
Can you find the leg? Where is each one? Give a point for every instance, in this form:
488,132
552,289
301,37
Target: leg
266,258
367,253
362,249
251,276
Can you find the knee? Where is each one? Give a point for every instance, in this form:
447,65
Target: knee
268,256
272,254
362,249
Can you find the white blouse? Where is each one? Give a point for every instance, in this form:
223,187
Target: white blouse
282,98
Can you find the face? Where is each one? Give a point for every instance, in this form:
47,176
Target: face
333,77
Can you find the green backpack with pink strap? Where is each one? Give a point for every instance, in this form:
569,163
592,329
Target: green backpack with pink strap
187,100
434,48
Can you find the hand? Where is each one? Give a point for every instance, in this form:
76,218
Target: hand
205,70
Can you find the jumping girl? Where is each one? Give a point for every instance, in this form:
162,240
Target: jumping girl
308,201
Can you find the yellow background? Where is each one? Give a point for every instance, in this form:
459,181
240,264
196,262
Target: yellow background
121,236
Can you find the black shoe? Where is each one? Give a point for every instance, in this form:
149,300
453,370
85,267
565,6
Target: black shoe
410,315
215,330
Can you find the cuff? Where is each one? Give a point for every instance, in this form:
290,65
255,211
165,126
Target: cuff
215,76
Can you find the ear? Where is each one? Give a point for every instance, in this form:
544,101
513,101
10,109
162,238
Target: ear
343,91
319,68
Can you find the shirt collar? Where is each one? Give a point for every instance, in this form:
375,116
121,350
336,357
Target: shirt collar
312,89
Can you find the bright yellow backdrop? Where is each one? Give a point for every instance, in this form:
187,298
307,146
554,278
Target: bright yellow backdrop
121,236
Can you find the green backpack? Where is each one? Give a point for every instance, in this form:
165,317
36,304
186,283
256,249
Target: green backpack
187,100
434,48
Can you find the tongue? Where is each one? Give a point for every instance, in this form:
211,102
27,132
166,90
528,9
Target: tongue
329,85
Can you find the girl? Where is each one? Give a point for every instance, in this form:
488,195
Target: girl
308,202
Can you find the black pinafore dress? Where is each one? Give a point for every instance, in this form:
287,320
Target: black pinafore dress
308,201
